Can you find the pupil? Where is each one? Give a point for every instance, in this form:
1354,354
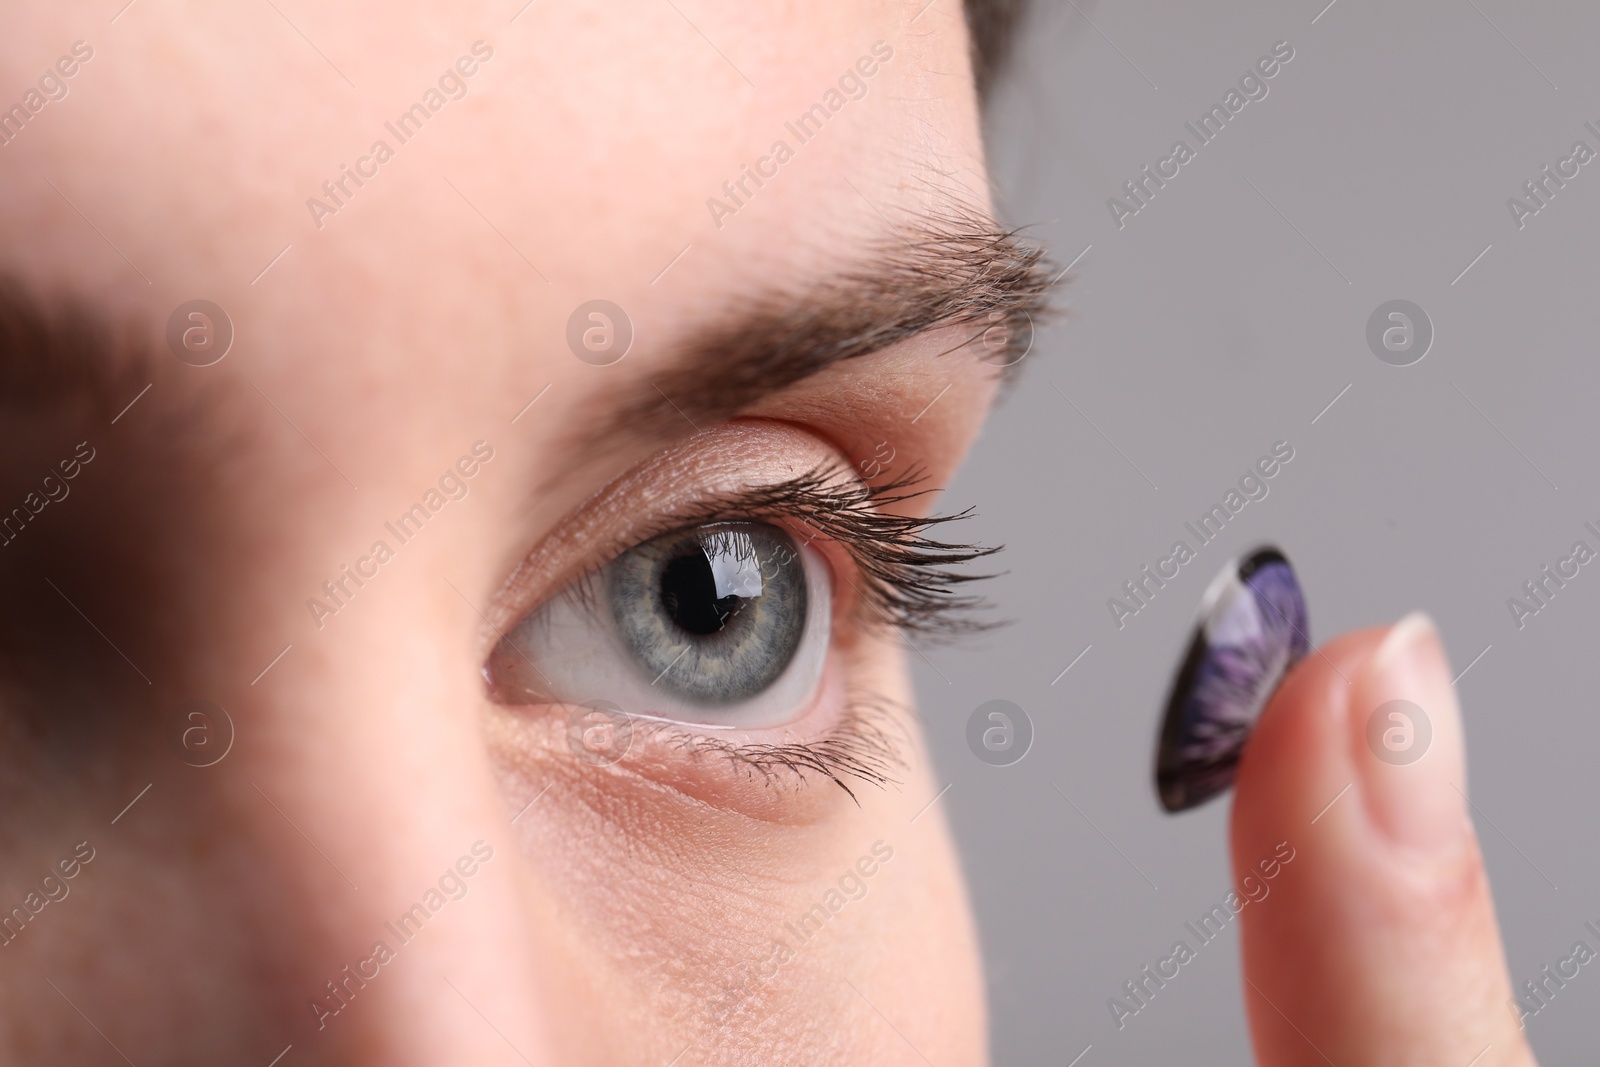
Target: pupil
689,592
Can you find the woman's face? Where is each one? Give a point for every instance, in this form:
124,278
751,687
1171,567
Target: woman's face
727,880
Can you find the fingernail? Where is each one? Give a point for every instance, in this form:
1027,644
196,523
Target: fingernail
1409,743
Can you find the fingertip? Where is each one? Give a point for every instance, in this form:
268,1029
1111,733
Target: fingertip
1379,939
1296,761
1407,742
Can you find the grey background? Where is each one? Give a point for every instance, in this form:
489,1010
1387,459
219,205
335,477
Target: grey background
1198,335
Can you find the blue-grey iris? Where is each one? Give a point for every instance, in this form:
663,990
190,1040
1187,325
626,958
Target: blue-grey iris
713,614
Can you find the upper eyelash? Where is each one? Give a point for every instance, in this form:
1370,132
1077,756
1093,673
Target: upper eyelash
904,575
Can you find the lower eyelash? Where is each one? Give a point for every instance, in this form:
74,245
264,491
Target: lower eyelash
866,746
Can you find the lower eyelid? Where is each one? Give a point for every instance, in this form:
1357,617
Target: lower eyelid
849,741
852,742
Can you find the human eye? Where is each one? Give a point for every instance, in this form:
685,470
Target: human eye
735,623
721,624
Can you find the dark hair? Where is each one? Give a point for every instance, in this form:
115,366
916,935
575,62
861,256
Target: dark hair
992,25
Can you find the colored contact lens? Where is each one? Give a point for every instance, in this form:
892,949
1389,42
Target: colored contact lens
1251,628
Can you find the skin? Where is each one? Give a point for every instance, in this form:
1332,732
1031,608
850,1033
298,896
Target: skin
625,899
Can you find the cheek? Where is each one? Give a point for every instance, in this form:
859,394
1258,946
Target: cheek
917,909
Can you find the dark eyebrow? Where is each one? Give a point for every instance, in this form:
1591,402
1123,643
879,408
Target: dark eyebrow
65,351
71,363
952,268
942,270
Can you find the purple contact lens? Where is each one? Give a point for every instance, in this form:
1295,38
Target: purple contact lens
1250,630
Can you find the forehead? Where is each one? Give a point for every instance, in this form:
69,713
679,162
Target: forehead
373,186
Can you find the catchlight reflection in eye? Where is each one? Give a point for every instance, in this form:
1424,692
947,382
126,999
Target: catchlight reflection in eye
725,624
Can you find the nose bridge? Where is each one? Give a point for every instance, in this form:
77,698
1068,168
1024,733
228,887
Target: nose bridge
374,794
